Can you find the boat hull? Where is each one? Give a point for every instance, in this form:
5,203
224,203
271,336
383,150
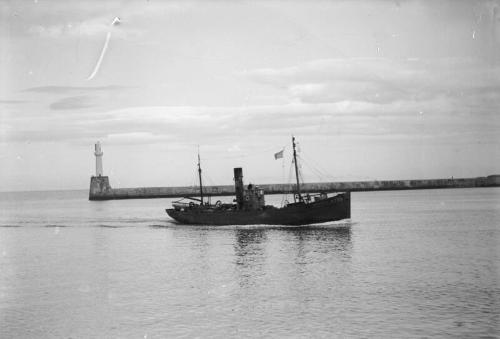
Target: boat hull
330,209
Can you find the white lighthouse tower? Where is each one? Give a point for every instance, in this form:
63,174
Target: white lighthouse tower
99,184
98,159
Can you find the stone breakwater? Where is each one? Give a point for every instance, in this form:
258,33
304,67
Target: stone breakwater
100,188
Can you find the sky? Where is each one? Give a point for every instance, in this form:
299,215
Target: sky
372,90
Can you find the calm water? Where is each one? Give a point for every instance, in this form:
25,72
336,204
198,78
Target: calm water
408,264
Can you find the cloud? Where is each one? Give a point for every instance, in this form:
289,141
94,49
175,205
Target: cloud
438,118
13,102
135,138
71,89
349,98
84,19
369,91
89,28
380,80
332,80
76,102
218,124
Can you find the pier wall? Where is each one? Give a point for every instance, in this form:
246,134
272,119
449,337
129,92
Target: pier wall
100,188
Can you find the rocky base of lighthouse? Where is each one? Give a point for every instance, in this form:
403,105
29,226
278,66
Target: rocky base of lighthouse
99,186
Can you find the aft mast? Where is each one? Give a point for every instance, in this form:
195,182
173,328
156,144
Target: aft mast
199,175
296,171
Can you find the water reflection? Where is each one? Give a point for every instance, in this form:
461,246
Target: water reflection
264,251
248,242
250,254
322,238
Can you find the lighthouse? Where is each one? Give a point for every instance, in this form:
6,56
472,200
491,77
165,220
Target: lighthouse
99,184
98,159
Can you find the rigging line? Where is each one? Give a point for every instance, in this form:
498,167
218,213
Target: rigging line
204,175
285,196
207,179
283,169
301,177
314,169
314,163
318,173
299,164
290,174
319,168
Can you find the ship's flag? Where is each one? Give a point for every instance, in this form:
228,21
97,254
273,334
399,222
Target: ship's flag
278,155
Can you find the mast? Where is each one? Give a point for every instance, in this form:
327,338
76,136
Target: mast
296,170
199,175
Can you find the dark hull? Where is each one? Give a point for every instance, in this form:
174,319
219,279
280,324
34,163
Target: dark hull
330,209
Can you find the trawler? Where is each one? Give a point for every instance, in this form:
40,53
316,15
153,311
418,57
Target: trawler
249,208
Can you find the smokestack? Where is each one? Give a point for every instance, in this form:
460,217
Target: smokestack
238,186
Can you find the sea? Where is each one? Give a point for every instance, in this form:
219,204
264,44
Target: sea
408,264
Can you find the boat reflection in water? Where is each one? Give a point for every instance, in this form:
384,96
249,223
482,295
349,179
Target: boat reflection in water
261,253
